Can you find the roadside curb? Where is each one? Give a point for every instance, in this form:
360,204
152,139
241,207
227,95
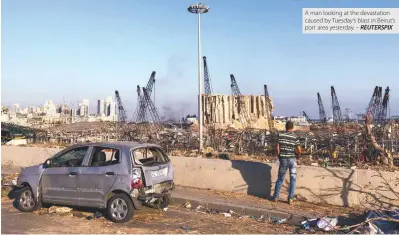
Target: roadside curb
240,209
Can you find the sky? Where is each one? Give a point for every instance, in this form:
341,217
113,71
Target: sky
69,50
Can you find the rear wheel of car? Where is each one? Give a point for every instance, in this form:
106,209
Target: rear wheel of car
120,208
165,201
26,202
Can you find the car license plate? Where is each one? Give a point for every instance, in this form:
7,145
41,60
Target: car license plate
162,172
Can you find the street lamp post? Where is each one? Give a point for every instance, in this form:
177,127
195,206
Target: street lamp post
199,9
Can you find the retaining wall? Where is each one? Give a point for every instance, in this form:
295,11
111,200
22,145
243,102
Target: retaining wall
314,184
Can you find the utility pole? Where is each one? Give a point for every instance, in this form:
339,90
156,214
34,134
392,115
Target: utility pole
199,9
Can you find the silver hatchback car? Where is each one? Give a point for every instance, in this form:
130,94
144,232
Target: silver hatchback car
117,176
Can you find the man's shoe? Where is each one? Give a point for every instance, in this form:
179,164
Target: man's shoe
274,200
290,201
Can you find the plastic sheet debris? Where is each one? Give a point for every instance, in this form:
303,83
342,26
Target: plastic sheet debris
380,222
261,218
309,224
226,214
278,220
327,223
371,228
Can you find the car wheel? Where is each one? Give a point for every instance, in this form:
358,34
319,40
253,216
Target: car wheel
120,208
165,201
26,201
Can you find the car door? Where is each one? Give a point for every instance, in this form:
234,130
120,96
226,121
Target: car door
98,176
155,165
60,178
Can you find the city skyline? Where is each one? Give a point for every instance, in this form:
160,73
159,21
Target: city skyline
52,113
266,37
92,108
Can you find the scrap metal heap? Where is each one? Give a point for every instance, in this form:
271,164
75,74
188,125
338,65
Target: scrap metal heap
10,131
345,142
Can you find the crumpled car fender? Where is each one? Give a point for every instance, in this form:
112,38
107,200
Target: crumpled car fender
31,176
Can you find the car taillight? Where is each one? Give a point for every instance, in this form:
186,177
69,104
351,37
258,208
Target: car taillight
136,183
136,179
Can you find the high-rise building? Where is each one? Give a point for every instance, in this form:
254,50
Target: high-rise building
74,112
84,108
16,108
108,102
110,108
100,107
49,108
63,109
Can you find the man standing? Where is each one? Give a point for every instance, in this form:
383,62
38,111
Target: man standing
288,149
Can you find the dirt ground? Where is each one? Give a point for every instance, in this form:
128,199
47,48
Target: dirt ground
176,220
299,206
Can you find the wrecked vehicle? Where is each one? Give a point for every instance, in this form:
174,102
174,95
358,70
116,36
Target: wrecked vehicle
119,177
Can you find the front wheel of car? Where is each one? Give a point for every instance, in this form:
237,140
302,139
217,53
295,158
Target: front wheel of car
26,202
120,208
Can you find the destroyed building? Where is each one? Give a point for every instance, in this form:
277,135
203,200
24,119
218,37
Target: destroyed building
229,111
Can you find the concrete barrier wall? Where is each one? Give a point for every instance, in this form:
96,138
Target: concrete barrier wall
314,184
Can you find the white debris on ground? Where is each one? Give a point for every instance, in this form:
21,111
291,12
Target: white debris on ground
59,210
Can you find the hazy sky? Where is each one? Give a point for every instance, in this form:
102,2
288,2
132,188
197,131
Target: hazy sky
68,50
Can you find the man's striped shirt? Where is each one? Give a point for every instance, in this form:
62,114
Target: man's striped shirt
288,141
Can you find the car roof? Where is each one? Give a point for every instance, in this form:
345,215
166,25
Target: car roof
117,144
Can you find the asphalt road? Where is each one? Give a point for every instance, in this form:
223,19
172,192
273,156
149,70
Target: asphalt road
175,220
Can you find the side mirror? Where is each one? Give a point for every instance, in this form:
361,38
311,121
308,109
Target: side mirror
47,163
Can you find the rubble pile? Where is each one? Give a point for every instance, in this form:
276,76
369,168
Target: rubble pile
345,145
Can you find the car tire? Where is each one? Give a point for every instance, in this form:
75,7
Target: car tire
120,208
166,200
26,202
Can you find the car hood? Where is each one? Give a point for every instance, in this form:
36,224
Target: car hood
33,170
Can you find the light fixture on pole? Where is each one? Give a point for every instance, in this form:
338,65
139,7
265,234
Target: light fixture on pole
199,9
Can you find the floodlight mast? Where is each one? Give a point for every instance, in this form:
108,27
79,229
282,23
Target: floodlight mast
199,9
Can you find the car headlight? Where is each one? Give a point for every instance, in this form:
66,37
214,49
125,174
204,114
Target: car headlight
14,181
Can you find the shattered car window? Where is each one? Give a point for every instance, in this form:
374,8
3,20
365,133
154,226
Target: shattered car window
72,158
103,156
148,156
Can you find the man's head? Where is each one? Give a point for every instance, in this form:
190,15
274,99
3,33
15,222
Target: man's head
289,126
